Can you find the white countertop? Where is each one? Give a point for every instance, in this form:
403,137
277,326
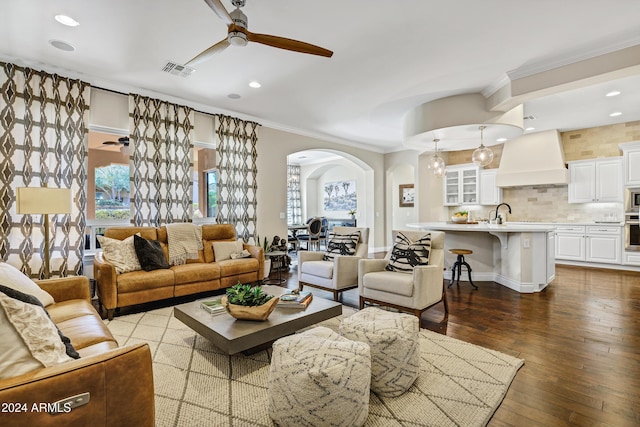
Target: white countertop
504,228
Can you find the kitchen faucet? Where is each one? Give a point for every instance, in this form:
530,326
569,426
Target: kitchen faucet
498,207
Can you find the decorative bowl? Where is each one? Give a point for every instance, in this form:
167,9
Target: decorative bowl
459,219
258,313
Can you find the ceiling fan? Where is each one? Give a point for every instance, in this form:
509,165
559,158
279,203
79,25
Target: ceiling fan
239,35
124,140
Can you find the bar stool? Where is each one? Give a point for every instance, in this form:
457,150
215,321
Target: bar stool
458,265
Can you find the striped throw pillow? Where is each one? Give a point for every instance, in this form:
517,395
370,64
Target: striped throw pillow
341,244
406,254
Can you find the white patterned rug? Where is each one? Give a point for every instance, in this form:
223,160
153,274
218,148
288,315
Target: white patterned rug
196,385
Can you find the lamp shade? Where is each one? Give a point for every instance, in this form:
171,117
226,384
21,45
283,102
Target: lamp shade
43,200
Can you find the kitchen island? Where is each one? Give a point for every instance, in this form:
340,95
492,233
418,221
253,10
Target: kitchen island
518,256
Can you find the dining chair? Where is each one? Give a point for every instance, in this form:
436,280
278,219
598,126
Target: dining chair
312,237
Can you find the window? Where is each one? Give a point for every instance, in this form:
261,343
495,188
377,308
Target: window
112,192
212,193
205,181
108,185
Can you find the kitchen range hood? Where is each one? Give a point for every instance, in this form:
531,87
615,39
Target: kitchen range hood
533,159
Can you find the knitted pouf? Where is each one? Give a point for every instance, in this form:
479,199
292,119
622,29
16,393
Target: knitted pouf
318,378
395,347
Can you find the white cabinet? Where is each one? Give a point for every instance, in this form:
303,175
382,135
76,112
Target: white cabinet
604,244
631,163
599,244
489,194
597,180
461,185
570,243
632,258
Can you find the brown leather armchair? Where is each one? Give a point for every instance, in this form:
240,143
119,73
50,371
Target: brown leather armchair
112,386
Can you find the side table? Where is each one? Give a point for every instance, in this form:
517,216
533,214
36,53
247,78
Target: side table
275,255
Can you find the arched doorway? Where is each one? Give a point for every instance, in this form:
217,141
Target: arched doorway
332,184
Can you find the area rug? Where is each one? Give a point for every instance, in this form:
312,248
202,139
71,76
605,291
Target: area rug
196,385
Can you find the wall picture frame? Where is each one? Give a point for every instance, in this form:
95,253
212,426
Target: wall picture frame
407,195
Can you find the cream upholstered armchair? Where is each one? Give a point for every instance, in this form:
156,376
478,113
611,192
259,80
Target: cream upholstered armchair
318,270
414,290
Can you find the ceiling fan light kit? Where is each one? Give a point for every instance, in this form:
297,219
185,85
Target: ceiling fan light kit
238,34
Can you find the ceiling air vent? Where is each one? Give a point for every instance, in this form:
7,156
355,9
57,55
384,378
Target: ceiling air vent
178,69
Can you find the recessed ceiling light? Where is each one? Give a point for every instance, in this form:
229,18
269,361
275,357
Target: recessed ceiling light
255,84
59,44
613,93
501,139
615,114
233,96
530,128
67,20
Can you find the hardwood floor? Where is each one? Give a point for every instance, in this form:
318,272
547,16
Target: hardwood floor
580,339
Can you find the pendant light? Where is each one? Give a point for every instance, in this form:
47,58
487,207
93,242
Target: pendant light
436,163
482,156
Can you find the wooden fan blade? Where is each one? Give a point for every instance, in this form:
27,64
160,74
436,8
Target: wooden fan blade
218,8
288,44
218,47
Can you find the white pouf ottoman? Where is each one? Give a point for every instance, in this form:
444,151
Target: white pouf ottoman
394,339
318,378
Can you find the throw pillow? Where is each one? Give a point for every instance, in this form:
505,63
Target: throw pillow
242,254
406,254
223,250
29,339
120,253
341,244
150,254
13,278
30,299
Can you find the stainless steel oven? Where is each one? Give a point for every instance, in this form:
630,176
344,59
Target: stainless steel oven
632,200
632,232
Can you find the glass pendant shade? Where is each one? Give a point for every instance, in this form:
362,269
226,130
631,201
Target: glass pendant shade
436,163
482,156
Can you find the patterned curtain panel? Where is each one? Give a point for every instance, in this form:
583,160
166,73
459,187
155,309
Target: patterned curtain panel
42,140
161,161
294,196
237,179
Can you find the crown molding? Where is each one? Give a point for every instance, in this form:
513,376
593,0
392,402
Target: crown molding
578,55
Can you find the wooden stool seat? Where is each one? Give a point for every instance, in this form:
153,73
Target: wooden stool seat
457,266
460,251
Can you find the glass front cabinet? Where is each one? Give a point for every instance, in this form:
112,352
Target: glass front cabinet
461,185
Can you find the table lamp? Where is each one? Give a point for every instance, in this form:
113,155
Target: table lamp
43,201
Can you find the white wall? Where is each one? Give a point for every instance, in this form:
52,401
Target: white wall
317,175
400,216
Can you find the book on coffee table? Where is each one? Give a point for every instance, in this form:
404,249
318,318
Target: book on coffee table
295,300
213,306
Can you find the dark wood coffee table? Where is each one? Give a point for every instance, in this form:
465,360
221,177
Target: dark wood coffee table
233,336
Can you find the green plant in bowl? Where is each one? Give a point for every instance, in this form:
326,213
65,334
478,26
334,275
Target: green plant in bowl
247,295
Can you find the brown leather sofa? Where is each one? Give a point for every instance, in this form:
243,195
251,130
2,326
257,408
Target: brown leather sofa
119,381
203,274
